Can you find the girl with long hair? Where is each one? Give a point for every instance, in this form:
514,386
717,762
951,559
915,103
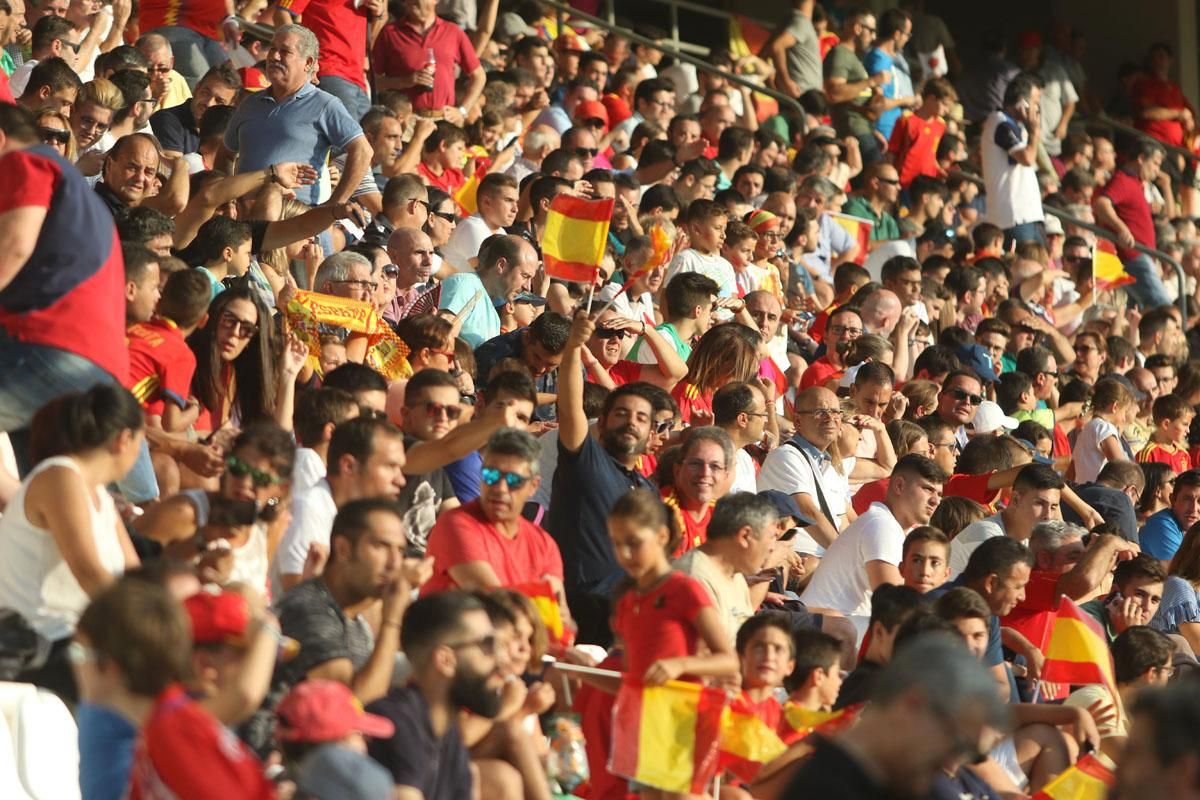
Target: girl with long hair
728,352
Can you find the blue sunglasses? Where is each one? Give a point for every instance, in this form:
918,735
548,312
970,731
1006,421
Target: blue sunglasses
492,476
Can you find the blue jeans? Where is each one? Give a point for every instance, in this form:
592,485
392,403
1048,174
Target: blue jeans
1148,292
351,94
1025,232
195,54
32,375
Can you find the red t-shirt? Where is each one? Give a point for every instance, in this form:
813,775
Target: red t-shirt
341,30
973,487
401,50
914,142
873,492
159,359
660,623
1128,197
202,16
6,95
818,373
624,372
450,181
69,296
183,753
1174,457
1150,91
464,535
695,531
691,400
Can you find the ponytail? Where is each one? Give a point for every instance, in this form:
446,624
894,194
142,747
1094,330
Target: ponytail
82,421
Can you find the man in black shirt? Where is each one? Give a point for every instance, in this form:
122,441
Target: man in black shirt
178,127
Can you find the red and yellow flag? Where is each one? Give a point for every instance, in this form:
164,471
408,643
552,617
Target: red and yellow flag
307,311
549,611
797,722
1108,272
1077,650
1089,779
859,230
747,740
467,195
666,736
574,238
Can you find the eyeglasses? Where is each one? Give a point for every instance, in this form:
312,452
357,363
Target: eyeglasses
49,135
890,181
428,209
1077,259
445,215
491,476
161,69
449,355
486,644
370,286
68,43
391,271
1048,372
587,152
696,465
952,446
821,413
762,414
1169,671
92,124
239,327
1084,349
959,394
240,469
610,333
842,330
435,409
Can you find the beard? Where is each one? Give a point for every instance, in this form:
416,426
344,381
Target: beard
469,690
615,444
842,347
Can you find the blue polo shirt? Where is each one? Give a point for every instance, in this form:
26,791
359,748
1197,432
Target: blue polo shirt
1161,535
482,323
304,126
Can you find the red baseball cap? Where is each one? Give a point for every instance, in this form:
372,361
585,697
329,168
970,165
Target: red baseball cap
324,711
591,109
1029,39
618,109
218,617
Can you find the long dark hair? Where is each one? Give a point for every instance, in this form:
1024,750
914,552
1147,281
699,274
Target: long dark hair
254,368
82,421
1156,475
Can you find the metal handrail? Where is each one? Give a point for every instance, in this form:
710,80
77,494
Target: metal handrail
694,8
1103,119
1103,233
563,11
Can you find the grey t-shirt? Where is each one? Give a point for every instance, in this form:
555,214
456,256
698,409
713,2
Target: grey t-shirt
804,57
848,118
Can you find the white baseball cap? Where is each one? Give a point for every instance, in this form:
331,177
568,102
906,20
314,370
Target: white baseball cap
989,418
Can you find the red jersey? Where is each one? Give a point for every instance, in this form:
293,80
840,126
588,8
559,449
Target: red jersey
341,30
1177,458
6,95
819,373
914,142
660,623
691,400
974,487
1153,92
624,372
202,16
695,531
464,535
159,361
401,50
183,753
450,181
1128,197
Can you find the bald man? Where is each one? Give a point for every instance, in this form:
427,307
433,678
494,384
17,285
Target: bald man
411,251
881,312
803,468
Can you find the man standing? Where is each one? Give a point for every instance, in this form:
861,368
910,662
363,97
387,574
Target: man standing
848,86
868,553
795,52
402,61
593,472
341,31
1009,151
296,121
886,58
1121,206
1036,494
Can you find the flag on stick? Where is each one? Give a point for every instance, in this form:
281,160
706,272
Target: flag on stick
574,238
546,602
1108,272
859,230
1089,779
1077,650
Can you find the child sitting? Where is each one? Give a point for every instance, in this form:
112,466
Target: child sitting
1168,442
925,562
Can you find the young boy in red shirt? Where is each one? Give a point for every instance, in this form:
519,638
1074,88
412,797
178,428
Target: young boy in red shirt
1168,442
916,136
442,158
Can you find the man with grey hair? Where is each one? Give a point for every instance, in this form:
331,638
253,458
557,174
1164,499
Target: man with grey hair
487,544
167,87
920,719
296,121
540,141
348,275
1065,565
741,541
834,244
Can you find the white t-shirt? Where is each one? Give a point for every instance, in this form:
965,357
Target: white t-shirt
465,242
730,595
1013,196
308,470
971,537
841,582
1089,459
713,266
744,477
312,521
790,472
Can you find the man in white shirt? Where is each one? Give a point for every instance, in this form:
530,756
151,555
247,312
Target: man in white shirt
1035,498
803,468
1009,151
497,201
744,412
318,412
868,552
958,401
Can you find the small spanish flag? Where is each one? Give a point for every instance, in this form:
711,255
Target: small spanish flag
747,739
666,736
1108,272
859,230
574,238
1077,650
797,722
1089,779
467,195
549,611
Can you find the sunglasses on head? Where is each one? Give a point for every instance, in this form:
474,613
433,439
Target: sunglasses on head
492,476
610,333
240,469
959,394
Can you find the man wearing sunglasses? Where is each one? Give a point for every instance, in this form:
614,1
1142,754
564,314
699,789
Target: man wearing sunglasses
51,39
877,202
958,401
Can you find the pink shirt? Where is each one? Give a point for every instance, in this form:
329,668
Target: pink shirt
401,49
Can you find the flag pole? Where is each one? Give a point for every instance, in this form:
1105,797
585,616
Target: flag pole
592,291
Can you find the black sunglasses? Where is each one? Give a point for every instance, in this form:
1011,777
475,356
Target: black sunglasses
391,271
54,135
587,152
610,333
446,215
959,394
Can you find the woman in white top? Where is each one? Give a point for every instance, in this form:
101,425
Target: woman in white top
61,539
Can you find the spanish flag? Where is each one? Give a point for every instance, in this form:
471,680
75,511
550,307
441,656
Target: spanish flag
1077,651
859,230
797,722
575,235
1108,272
1089,779
467,194
549,611
747,739
667,736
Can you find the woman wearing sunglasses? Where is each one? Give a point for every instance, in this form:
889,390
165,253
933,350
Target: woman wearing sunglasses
54,129
62,541
443,219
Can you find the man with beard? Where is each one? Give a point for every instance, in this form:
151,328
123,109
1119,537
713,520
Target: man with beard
594,470
450,643
868,553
